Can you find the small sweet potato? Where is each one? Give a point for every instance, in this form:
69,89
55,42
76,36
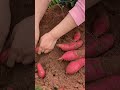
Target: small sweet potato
77,36
100,46
70,46
75,66
72,55
41,71
4,56
108,83
101,25
94,69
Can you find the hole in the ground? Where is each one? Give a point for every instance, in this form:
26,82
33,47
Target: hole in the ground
55,88
53,74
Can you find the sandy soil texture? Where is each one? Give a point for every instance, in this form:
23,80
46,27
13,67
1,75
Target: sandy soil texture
55,70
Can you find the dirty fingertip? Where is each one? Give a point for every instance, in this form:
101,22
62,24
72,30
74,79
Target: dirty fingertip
47,51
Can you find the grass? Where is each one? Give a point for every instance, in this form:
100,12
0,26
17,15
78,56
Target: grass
38,88
68,3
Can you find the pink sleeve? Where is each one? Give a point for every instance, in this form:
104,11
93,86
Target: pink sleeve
78,12
49,0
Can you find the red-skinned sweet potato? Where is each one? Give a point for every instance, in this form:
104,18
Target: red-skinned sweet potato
70,46
77,36
73,55
41,71
4,56
101,25
100,46
75,66
108,83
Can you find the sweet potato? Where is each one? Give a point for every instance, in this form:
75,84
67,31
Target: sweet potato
100,46
72,55
108,83
70,46
41,71
75,66
101,25
99,67
94,69
10,88
77,36
4,56
89,39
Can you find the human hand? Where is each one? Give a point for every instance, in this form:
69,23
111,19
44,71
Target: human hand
47,43
22,48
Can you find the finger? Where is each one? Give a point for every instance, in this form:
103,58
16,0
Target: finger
36,49
47,51
42,50
39,50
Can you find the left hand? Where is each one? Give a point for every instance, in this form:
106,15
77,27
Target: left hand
47,43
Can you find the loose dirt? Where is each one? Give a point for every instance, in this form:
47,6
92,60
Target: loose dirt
55,70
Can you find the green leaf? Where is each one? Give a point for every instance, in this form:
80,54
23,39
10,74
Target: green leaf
38,88
57,1
54,2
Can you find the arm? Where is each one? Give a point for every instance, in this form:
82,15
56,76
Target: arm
66,25
75,17
40,8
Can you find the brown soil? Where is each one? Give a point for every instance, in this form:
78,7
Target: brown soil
55,70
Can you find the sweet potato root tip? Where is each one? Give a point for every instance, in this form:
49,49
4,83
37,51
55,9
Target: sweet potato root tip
41,71
75,66
101,25
77,36
60,58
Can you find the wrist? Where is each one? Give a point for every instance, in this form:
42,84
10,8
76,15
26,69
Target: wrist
54,36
